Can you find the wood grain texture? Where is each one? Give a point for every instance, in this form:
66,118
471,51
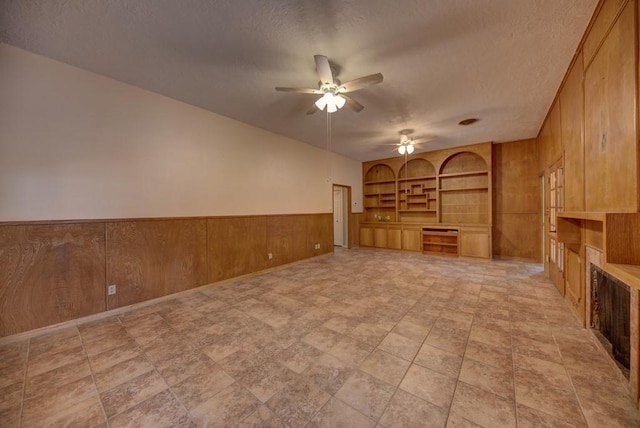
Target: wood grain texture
514,235
286,238
594,234
394,237
516,183
150,259
622,236
411,238
572,131
50,274
611,176
319,231
474,244
601,25
516,190
236,246
366,235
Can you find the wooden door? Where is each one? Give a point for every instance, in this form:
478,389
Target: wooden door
555,203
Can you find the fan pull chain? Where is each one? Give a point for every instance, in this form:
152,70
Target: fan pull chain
329,178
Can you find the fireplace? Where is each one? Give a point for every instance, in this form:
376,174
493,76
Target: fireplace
610,315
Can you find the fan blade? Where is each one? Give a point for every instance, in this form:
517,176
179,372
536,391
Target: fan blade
299,90
323,69
355,84
312,109
353,104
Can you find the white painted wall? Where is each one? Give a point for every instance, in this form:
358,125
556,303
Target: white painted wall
77,145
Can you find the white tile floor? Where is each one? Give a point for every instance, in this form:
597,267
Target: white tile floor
357,338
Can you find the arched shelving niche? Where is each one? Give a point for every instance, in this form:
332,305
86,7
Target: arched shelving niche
380,193
417,194
463,189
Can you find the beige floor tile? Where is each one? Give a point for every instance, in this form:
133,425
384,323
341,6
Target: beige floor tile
122,372
322,338
560,403
483,408
368,333
51,360
329,373
542,371
415,332
106,359
267,379
85,413
41,407
132,392
456,420
366,394
199,388
439,360
429,385
337,414
385,366
160,410
54,343
298,357
406,410
399,346
263,417
489,378
531,418
350,350
177,369
50,381
298,403
490,337
448,339
109,341
496,356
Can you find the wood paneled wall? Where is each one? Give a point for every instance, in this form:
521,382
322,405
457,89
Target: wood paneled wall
50,274
59,271
516,209
592,123
150,259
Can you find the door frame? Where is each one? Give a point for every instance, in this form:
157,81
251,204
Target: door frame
346,214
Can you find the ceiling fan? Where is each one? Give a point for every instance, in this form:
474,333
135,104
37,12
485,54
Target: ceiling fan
332,91
408,144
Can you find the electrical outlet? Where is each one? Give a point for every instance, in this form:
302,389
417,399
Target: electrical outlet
270,255
111,290
317,246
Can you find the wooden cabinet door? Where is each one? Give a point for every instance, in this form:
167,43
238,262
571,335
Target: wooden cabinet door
394,237
380,237
575,287
412,238
474,244
366,237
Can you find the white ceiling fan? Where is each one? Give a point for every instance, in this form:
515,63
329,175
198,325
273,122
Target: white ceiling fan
408,144
333,92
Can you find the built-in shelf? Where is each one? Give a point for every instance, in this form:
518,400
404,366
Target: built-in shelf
463,174
462,189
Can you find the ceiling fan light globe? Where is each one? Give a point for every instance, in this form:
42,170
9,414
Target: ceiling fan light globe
340,101
331,107
410,149
321,103
402,149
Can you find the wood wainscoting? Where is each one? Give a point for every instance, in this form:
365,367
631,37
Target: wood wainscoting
52,272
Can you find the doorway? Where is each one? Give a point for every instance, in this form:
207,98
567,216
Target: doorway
341,213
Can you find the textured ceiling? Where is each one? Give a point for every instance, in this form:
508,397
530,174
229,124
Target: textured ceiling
501,61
